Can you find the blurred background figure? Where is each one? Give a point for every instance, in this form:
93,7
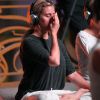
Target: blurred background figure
94,65
76,14
85,41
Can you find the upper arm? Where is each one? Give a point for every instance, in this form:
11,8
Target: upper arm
81,45
81,52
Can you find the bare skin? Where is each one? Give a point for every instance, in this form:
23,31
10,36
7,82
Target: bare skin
71,96
74,96
1,98
96,61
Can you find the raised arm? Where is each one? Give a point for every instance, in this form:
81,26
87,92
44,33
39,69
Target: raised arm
54,58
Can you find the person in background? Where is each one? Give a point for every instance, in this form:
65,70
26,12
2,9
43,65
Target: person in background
44,58
74,17
77,16
86,40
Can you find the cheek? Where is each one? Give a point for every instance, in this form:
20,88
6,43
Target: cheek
44,22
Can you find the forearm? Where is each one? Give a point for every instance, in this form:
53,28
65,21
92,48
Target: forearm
54,58
79,80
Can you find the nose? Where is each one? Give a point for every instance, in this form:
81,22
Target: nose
53,14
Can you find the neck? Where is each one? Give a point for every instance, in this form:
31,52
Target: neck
42,34
96,32
93,31
38,32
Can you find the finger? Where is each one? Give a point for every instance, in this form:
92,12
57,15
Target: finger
80,92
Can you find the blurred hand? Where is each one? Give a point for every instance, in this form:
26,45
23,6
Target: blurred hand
74,96
54,24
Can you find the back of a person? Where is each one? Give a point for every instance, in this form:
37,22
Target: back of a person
83,47
94,71
87,39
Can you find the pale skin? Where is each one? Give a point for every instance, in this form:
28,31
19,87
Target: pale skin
78,80
71,96
74,96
